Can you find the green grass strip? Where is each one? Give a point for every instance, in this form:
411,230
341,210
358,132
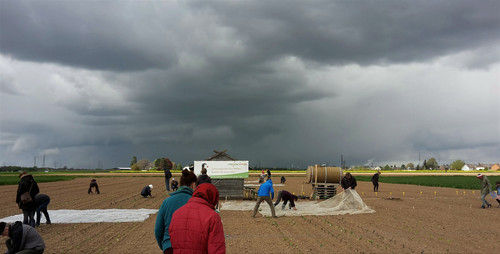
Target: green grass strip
458,182
11,180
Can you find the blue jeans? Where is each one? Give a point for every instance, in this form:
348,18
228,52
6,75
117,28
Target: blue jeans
483,198
42,208
167,183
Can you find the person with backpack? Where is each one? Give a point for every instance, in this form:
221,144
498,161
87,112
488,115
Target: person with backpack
25,199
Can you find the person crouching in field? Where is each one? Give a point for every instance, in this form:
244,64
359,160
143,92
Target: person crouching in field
93,185
286,196
42,201
485,190
348,182
283,179
169,206
146,191
22,238
196,227
174,184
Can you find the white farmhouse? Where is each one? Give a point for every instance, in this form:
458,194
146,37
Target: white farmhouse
468,167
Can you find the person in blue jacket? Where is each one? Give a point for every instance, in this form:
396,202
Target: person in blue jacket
263,195
170,205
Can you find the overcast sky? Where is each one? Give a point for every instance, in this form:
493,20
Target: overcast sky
279,83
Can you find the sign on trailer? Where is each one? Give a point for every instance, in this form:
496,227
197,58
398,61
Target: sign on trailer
222,169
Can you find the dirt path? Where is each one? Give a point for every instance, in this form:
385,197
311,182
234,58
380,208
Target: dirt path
423,219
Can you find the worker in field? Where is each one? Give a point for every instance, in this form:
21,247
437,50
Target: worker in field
485,190
41,202
203,178
348,182
497,185
146,191
169,206
94,186
375,181
22,238
287,197
263,195
196,227
174,184
283,179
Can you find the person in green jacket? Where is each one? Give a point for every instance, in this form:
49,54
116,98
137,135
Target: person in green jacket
485,190
169,206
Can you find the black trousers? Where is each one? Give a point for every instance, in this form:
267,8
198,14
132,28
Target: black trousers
94,185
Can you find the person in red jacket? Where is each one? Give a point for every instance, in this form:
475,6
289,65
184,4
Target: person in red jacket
196,227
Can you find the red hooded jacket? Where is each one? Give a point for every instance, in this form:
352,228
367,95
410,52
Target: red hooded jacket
196,227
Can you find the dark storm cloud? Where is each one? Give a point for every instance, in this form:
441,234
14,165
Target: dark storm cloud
276,82
127,35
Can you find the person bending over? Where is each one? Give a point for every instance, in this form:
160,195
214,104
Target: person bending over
263,195
94,186
348,182
22,238
42,201
286,196
146,191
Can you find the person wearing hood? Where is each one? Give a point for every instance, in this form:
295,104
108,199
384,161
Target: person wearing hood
485,190
169,206
196,227
27,184
146,191
22,238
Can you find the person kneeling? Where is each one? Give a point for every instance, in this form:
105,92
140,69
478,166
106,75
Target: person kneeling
146,191
286,196
22,238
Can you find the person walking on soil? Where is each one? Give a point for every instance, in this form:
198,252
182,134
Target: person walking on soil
283,179
93,185
263,195
169,206
286,196
375,181
196,227
26,186
42,201
22,238
146,191
485,190
348,182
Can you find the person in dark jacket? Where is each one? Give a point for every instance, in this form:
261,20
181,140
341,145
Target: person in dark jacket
286,196
375,181
93,185
146,191
167,167
174,184
348,182
203,178
196,227
22,238
27,184
169,206
42,201
268,174
283,179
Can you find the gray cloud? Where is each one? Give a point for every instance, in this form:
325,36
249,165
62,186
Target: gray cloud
277,83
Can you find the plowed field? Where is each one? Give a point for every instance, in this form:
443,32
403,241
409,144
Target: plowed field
408,219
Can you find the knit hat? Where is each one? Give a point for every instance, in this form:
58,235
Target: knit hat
151,186
479,176
2,226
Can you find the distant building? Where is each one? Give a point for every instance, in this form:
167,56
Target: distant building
495,167
468,167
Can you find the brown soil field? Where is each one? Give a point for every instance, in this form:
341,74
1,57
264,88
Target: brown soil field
408,219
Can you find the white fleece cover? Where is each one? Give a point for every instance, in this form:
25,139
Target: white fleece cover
348,202
91,216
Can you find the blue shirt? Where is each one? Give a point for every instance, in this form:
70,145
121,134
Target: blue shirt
265,188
